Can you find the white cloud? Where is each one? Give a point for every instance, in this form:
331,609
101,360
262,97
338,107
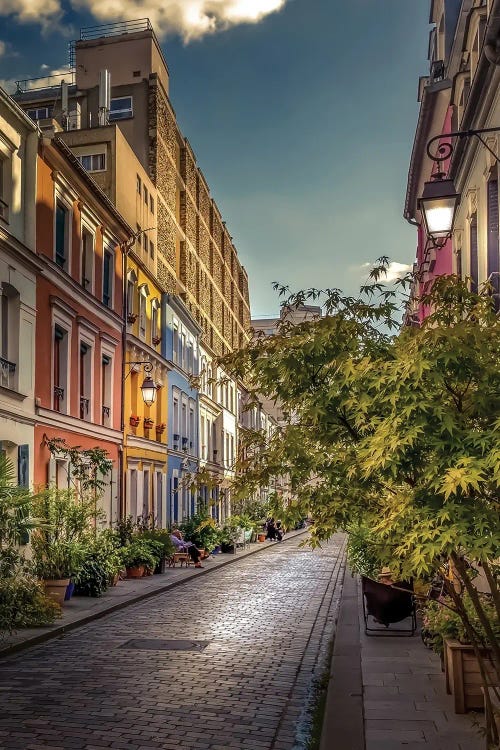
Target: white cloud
31,11
394,271
192,19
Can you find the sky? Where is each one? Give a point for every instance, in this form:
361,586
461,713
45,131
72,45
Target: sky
301,114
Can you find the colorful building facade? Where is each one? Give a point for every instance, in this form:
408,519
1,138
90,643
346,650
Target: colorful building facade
79,322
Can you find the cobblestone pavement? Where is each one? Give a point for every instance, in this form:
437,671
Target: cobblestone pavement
263,626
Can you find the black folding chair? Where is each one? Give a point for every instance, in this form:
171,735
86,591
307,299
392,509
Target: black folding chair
387,605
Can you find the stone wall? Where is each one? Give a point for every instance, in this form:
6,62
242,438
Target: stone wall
208,269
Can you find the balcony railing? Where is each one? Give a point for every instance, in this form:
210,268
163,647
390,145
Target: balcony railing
106,411
84,407
7,373
115,29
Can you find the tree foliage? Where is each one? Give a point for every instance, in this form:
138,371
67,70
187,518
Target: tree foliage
395,427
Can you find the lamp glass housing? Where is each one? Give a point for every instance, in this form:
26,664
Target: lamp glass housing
148,389
438,204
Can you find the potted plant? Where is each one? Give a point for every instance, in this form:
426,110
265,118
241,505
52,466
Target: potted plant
156,340
160,428
56,563
135,420
160,544
148,423
136,557
131,318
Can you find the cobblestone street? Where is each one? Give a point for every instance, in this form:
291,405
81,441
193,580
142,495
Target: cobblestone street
261,628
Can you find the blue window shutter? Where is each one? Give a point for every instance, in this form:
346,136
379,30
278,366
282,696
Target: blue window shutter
493,259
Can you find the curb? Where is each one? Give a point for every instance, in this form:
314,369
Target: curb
343,721
60,630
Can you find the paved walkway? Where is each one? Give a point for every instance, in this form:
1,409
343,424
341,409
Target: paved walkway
82,609
258,630
396,685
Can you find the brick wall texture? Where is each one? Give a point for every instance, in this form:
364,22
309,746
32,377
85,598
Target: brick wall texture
196,255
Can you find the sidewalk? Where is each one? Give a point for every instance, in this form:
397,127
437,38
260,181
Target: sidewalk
391,689
83,609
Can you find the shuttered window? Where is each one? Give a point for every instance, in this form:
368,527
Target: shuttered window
493,259
474,272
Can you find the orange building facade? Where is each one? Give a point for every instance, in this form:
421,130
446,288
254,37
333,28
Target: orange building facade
80,319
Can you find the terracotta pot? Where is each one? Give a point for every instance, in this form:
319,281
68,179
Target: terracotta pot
261,537
136,572
463,678
56,589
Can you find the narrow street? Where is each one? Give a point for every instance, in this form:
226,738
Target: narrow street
257,633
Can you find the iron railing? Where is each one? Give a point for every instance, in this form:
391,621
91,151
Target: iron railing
115,29
7,373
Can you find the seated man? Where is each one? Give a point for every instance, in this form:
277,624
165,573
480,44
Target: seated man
182,546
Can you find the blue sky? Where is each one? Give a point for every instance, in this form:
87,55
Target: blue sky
302,120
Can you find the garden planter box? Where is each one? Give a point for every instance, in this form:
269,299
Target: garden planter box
463,678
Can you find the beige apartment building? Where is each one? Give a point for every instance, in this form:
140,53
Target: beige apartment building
119,74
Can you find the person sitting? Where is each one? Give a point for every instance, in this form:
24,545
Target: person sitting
280,531
385,577
183,546
271,530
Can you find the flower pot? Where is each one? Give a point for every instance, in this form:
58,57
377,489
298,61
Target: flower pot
135,421
148,424
261,537
216,550
56,589
69,591
227,547
135,571
463,678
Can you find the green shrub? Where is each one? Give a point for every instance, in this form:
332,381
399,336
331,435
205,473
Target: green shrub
160,536
138,553
442,622
23,603
56,559
202,530
362,553
101,563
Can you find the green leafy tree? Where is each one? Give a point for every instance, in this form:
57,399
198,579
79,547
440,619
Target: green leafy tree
394,427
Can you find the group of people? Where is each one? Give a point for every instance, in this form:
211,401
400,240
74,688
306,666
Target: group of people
274,530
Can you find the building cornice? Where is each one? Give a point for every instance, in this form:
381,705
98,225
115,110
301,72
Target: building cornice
49,418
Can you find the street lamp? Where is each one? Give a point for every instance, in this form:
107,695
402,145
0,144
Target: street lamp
438,204
440,200
148,387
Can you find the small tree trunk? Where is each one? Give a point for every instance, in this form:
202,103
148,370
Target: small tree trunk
492,733
492,582
474,596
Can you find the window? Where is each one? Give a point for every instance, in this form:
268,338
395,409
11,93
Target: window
146,195
42,113
145,242
107,278
192,435
175,344
190,360
182,351
151,204
152,249
9,349
473,262
493,257
154,321
139,185
87,264
62,234
142,314
121,108
93,162
85,381
106,378
139,236
176,424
